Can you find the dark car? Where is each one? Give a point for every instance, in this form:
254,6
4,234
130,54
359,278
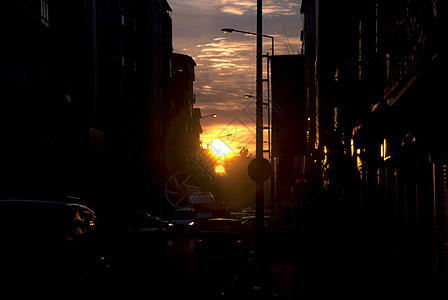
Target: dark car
270,230
183,220
147,232
270,223
223,238
46,241
146,223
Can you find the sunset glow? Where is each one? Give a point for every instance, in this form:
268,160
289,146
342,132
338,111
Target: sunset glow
225,69
231,137
220,149
220,170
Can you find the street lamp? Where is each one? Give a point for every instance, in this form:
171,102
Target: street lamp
230,30
211,115
252,96
222,136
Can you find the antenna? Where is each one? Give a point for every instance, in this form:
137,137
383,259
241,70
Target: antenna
287,40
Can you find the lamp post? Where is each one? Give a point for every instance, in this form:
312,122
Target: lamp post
211,115
259,190
230,30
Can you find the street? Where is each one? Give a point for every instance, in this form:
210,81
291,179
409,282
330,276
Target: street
167,266
308,262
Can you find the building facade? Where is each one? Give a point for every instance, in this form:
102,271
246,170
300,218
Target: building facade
289,132
184,131
378,80
49,81
88,102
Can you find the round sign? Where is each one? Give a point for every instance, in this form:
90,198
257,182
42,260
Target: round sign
259,169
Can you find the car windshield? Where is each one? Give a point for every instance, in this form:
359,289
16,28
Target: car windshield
184,215
219,225
195,199
147,222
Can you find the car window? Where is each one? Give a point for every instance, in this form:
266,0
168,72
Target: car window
147,222
184,215
84,221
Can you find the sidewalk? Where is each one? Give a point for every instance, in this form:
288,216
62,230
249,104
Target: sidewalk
348,260
276,278
351,261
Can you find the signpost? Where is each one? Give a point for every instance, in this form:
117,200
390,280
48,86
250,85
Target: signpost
259,169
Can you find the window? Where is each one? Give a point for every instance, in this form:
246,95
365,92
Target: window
44,16
84,221
360,50
376,27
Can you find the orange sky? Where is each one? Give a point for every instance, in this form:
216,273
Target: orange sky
225,70
241,136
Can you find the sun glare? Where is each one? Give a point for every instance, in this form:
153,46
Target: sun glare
220,149
233,136
220,170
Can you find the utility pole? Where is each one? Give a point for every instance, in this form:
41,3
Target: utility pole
259,193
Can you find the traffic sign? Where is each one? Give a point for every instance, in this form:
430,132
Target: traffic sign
259,169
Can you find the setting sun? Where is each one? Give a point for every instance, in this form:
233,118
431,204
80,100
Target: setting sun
220,149
220,170
231,137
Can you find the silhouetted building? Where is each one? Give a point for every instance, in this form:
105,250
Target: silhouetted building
135,51
48,82
88,103
288,125
183,132
377,74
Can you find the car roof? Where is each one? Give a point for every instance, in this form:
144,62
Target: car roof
81,206
222,219
44,203
27,201
183,209
253,217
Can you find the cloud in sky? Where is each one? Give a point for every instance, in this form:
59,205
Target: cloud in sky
270,8
225,70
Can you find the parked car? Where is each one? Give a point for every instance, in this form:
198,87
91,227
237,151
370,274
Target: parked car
238,215
249,211
183,220
221,237
46,241
270,229
147,232
146,223
270,223
204,204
